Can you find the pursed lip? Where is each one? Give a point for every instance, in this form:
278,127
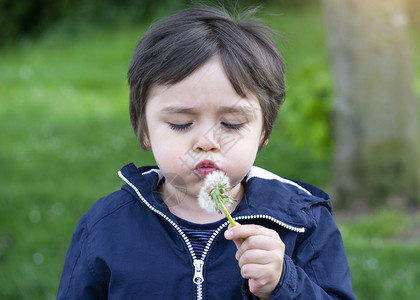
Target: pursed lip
205,167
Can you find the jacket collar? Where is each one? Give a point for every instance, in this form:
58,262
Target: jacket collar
266,194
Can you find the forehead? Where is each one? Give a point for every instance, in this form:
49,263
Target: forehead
206,88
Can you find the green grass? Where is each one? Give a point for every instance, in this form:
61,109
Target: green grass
383,250
64,133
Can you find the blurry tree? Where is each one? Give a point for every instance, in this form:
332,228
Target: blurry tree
414,12
30,18
375,115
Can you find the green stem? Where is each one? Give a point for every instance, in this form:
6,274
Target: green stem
229,217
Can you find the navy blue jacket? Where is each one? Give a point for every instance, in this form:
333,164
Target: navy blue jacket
129,246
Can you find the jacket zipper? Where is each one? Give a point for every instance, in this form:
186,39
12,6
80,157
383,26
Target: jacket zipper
259,216
198,277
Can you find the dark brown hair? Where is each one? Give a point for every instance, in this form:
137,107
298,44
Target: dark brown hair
176,46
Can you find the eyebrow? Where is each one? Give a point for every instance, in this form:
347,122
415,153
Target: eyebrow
248,111
178,110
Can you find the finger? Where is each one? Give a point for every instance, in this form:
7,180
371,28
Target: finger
257,272
256,256
245,231
238,242
262,242
262,274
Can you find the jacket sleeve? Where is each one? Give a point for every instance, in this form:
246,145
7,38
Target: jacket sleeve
82,278
318,268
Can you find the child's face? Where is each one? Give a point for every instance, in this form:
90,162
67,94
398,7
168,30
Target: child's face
201,124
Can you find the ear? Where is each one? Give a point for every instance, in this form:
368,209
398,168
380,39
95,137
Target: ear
146,142
142,135
264,143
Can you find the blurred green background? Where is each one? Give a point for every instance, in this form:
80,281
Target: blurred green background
65,132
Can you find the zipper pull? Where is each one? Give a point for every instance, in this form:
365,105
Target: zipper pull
198,271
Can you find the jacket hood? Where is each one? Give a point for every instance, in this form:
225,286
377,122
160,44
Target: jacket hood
266,194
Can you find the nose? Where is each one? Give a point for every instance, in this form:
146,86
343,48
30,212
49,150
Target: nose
207,142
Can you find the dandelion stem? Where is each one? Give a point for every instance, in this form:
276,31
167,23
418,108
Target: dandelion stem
228,216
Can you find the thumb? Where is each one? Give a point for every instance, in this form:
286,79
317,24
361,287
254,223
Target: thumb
229,235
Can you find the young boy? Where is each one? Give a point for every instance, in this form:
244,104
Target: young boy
205,91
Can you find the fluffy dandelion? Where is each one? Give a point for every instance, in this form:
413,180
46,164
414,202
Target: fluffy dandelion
213,195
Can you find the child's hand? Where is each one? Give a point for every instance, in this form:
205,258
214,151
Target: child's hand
260,257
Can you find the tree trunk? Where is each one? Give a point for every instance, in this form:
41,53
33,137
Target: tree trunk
375,116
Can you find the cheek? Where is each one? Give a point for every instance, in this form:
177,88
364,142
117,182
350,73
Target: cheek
242,155
167,154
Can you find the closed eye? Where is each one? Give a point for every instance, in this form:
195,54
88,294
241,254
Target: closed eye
232,126
179,127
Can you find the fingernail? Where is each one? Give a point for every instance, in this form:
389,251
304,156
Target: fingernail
237,256
228,234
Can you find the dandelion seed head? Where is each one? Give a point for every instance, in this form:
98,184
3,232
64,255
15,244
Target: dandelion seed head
213,181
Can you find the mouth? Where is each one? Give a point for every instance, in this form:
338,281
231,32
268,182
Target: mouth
205,167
